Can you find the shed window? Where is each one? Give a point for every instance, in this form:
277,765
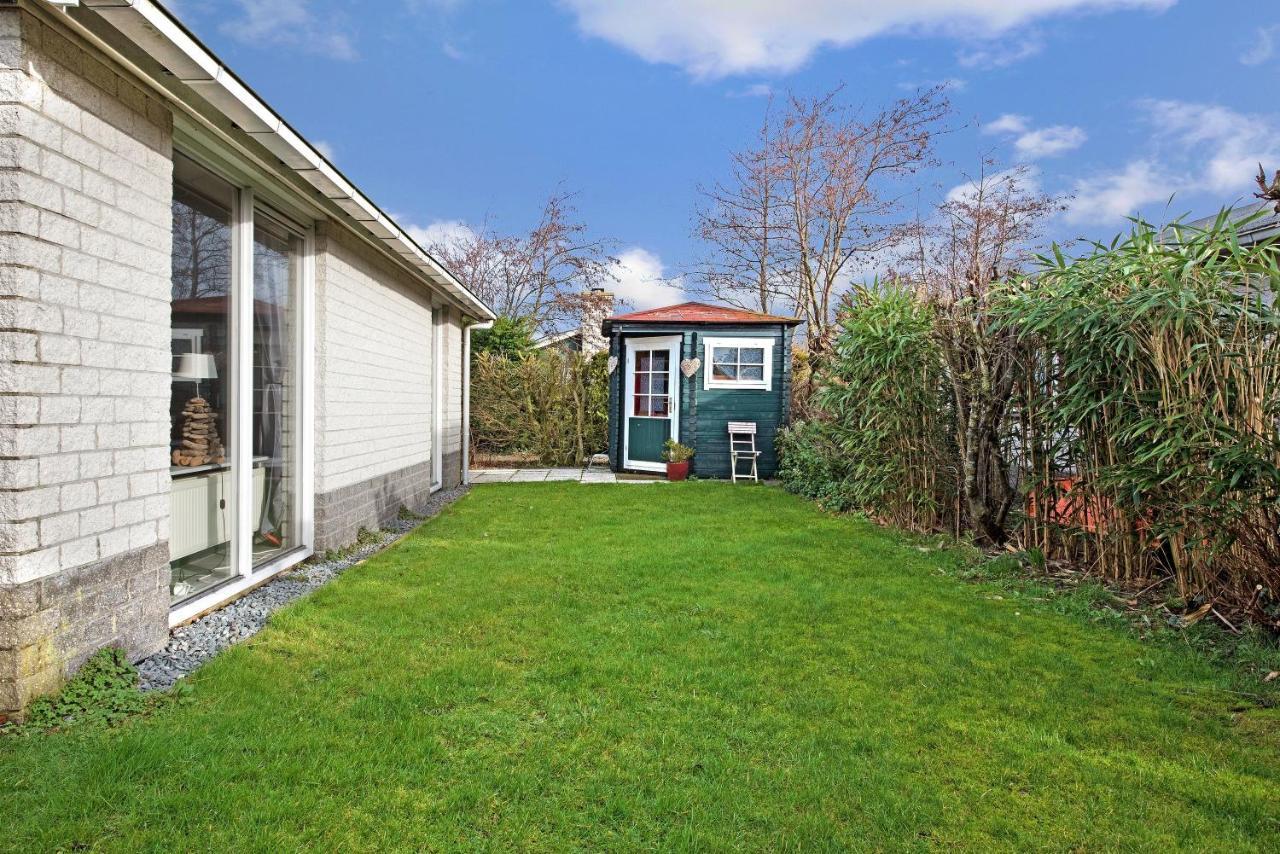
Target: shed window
745,363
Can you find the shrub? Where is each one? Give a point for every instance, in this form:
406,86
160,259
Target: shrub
1158,392
884,444
104,691
810,464
509,337
674,452
550,404
1137,435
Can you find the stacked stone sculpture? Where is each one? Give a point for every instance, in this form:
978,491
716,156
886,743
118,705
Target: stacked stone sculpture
200,442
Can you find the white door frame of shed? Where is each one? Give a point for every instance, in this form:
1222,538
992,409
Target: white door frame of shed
670,343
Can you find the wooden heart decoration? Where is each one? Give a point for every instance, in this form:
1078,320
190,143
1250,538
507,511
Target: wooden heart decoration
689,367
613,364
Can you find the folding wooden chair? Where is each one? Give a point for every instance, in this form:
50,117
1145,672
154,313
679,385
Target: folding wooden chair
742,446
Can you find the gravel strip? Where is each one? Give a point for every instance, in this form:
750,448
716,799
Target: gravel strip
193,644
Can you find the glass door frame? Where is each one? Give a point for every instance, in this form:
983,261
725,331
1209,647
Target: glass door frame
240,410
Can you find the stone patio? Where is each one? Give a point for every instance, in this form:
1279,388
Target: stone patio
547,474
587,475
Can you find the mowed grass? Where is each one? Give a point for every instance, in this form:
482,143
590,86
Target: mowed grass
677,666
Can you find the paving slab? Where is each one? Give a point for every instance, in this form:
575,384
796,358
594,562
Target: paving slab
531,475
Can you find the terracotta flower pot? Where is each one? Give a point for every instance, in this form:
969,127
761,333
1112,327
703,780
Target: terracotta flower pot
678,471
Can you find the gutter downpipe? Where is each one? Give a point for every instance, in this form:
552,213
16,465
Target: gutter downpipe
466,396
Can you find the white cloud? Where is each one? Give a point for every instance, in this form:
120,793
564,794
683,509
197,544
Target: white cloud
441,232
1224,147
755,90
999,53
1109,198
715,38
1031,143
1263,48
1194,148
641,280
1008,123
292,23
1046,142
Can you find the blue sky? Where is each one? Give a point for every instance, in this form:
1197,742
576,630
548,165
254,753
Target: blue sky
448,112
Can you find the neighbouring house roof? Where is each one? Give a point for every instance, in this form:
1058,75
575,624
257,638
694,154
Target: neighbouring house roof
701,312
217,306
172,60
1257,231
557,338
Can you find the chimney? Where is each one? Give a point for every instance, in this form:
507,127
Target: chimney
596,308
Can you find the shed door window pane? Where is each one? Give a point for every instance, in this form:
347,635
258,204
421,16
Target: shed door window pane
651,384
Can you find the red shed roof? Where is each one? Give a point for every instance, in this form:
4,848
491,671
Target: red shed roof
700,312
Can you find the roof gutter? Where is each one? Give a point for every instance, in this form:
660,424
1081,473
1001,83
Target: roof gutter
161,36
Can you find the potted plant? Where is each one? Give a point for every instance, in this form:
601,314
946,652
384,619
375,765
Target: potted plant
677,457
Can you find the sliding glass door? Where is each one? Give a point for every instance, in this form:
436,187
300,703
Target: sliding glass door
236,404
277,256
200,402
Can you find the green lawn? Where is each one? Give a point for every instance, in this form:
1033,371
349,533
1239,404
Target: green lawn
682,666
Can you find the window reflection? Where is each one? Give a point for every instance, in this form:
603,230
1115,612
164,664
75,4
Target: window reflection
200,313
276,266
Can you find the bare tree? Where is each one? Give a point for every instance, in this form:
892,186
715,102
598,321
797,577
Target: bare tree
541,276
740,221
977,240
201,252
813,195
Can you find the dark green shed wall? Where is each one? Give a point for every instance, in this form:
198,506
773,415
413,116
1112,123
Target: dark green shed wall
705,413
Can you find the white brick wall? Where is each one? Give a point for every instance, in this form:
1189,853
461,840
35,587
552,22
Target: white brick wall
373,363
85,194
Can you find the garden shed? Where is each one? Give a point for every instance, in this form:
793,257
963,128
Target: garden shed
685,372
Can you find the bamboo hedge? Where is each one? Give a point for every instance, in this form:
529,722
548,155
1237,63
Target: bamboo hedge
1142,434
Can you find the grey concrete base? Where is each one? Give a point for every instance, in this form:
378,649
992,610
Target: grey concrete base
49,626
371,504
451,469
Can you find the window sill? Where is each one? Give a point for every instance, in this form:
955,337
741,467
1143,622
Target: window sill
738,386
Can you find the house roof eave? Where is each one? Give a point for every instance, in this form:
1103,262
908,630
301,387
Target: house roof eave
157,33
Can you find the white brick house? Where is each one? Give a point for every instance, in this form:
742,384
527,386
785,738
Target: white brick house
216,355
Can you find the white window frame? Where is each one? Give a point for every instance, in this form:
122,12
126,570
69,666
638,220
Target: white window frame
194,335
240,386
709,345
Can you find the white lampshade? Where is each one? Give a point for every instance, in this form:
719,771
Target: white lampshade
196,366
